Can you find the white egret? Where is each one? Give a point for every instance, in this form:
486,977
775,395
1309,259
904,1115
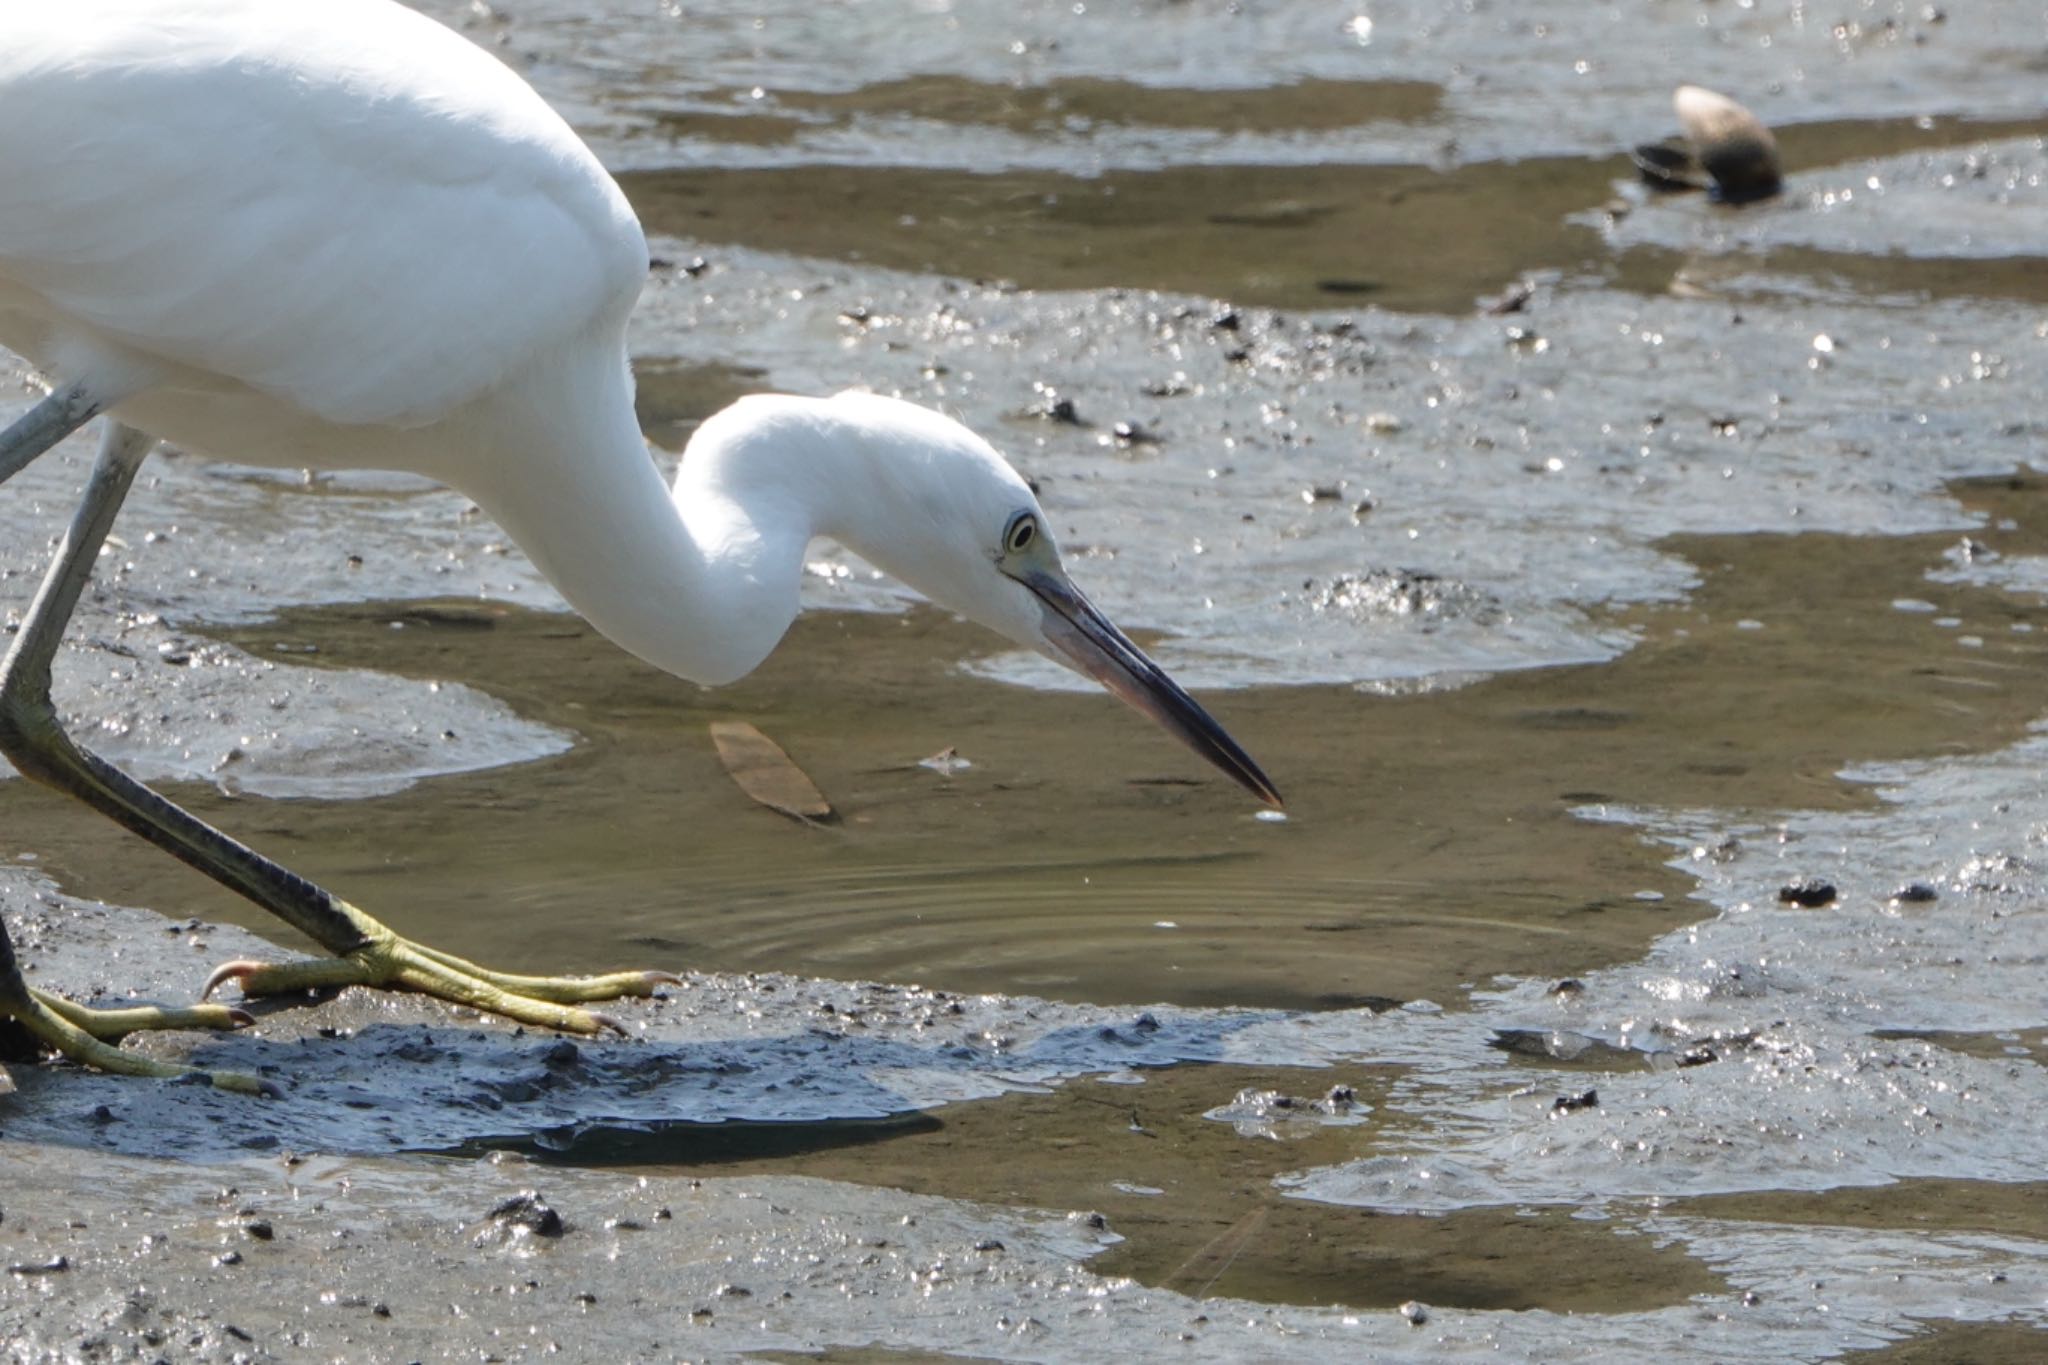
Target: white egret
339,235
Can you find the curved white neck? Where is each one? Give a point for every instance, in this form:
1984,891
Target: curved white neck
701,581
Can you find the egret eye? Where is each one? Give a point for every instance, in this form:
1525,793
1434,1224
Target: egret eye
1023,530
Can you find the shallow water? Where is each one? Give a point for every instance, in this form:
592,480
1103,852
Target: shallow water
1573,634
1789,663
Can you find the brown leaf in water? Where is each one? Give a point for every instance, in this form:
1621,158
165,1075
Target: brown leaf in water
765,773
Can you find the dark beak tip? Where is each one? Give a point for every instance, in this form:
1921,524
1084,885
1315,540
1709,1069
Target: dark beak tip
1087,642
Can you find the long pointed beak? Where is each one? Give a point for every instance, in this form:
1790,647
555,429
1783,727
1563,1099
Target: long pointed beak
1084,638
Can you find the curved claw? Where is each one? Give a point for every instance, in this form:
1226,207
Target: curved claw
240,1018
605,1021
227,970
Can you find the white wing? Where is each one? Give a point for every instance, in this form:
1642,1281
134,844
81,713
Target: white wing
337,203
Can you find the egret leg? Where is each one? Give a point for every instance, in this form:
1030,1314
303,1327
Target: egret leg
62,412
365,952
82,1034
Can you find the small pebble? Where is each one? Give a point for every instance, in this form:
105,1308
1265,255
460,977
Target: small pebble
529,1211
1811,892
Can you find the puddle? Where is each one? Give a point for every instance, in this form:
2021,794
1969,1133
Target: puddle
1194,1204
1788,663
1949,1344
2013,1210
1060,106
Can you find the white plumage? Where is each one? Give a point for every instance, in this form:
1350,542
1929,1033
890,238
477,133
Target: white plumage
332,233
339,206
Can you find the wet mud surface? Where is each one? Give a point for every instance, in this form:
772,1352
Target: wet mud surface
1310,237
1639,600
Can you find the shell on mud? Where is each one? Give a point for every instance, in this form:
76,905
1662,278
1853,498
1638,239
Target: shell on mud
1723,147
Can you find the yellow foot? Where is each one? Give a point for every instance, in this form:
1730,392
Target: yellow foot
83,1035
395,963
112,1025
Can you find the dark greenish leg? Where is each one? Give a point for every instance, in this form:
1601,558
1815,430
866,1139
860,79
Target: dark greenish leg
84,1035
365,952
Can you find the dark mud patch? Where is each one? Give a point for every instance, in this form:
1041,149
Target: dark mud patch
717,1069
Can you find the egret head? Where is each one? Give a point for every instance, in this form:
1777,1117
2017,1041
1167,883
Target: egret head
948,516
